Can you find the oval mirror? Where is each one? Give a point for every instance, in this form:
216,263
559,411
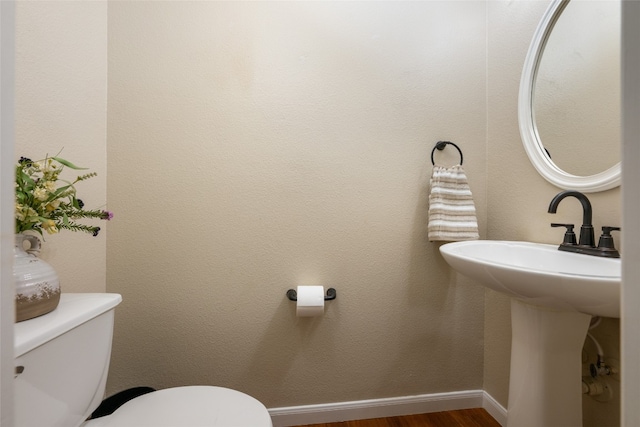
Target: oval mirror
570,96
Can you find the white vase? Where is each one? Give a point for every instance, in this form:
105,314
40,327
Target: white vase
36,282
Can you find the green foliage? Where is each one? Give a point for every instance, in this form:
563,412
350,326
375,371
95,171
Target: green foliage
44,201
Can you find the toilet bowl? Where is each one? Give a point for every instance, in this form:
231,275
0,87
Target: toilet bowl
62,361
188,406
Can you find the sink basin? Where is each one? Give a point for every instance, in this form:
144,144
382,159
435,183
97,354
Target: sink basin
540,274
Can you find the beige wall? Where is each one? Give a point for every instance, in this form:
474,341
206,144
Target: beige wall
518,198
61,104
254,147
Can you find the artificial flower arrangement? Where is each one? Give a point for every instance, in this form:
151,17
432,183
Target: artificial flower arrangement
43,204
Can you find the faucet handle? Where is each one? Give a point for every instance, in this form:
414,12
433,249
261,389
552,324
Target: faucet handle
606,241
607,229
569,235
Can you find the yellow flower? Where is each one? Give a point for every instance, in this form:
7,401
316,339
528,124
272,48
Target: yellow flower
32,214
40,194
20,212
53,205
50,226
50,186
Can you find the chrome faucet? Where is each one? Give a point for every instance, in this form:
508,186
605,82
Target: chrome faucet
586,244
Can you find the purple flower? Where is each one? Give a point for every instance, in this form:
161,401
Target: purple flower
108,215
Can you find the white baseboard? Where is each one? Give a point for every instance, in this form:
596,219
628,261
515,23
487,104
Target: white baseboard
496,410
387,407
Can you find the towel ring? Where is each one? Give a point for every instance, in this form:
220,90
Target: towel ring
440,146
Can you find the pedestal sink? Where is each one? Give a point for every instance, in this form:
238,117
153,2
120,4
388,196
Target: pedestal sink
554,294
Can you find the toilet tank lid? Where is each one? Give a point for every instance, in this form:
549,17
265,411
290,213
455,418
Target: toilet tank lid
73,310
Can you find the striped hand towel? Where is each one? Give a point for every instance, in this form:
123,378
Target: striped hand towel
452,214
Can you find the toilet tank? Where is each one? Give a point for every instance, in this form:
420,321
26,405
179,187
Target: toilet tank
62,361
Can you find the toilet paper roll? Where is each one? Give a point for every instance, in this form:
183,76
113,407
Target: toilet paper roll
310,301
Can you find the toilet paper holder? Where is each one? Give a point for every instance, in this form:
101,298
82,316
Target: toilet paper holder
292,294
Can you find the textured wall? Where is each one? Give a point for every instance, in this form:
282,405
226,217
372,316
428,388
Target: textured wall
60,103
257,146
518,198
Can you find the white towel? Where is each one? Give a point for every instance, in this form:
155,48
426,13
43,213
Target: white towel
452,213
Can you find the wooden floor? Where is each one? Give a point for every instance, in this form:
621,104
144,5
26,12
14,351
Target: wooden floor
462,418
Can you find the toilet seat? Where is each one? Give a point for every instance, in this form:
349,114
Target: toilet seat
192,406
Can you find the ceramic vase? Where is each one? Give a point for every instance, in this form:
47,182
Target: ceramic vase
36,282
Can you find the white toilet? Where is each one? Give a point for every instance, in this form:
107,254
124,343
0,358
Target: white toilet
62,361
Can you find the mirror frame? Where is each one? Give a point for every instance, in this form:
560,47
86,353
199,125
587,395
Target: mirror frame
605,180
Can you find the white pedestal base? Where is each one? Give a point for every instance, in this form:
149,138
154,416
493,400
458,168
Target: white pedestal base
545,387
